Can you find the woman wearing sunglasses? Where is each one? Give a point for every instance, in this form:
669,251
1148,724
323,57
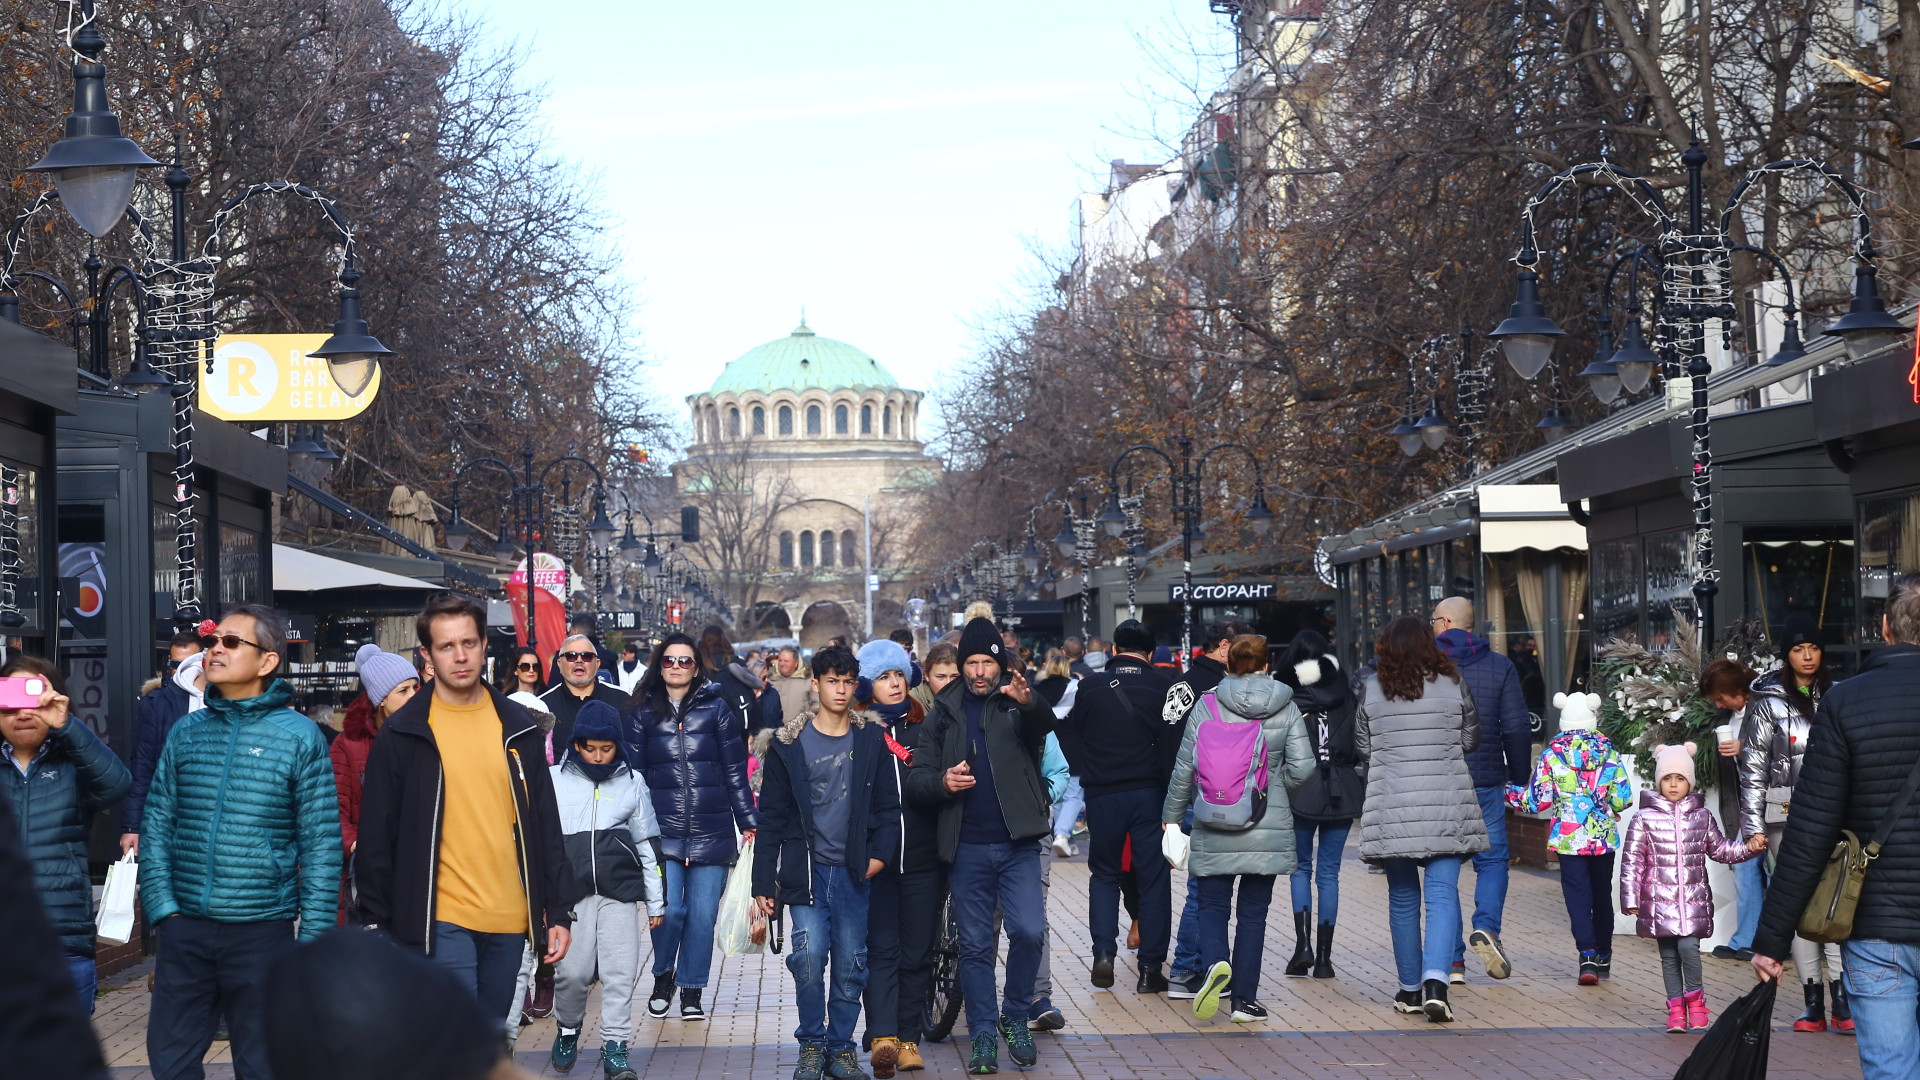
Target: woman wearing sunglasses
523,674
686,744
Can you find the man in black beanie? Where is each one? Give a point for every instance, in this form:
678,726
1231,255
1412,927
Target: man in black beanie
977,765
1122,749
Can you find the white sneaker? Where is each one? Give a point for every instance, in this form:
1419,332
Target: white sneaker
1064,847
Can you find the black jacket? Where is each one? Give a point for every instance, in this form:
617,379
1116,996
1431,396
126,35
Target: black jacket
783,850
1116,737
1334,790
564,704
919,825
400,818
160,709
695,765
1864,743
1016,736
43,1033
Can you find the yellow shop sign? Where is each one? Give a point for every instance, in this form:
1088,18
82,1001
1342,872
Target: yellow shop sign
258,377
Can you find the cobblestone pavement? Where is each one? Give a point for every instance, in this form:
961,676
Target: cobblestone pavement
1537,1024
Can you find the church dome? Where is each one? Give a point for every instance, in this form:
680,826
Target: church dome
803,360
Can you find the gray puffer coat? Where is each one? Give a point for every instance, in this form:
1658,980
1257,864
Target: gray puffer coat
1268,847
1420,798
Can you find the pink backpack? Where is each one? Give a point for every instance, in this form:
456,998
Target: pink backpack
1229,772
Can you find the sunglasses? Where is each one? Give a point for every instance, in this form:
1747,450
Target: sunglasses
526,667
677,661
234,641
579,657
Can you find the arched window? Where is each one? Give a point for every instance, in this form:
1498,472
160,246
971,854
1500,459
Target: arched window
786,419
886,421
866,419
713,423
826,548
733,423
786,546
806,549
813,419
839,419
759,420
849,555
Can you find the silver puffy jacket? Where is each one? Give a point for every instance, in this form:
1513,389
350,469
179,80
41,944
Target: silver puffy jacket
1773,742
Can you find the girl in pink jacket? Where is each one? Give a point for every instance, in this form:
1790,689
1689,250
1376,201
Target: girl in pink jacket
1663,879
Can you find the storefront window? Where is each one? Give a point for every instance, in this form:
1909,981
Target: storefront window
1669,588
166,559
1800,570
1616,590
22,526
1889,549
239,566
1460,556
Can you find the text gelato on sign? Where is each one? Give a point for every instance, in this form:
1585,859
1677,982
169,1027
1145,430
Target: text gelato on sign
263,377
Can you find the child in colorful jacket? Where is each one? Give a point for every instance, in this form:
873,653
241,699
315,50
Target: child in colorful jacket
1581,780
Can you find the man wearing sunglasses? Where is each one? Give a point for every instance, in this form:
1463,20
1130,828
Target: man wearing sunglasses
241,834
580,682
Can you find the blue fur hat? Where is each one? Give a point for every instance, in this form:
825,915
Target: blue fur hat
879,656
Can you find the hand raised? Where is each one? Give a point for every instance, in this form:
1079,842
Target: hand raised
1018,690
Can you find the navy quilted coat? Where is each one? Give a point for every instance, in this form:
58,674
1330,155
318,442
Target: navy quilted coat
242,821
694,761
71,778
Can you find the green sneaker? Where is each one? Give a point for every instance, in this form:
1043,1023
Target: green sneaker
566,1050
613,1059
1212,985
1019,1041
986,1053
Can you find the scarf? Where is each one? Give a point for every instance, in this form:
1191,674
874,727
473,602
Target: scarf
599,774
893,716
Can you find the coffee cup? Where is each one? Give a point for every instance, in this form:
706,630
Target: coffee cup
1724,732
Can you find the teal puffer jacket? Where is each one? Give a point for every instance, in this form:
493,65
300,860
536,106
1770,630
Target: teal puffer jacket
242,823
71,779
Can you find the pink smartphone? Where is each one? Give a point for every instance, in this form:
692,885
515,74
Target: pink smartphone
21,691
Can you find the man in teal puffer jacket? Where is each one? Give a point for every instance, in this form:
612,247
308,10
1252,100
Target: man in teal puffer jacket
241,834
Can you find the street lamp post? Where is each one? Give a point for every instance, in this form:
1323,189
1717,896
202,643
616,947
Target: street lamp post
528,510
1693,267
1187,476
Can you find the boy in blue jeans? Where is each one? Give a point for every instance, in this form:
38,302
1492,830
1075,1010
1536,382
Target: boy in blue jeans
829,821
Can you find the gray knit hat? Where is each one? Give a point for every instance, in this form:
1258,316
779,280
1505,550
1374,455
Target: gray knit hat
381,671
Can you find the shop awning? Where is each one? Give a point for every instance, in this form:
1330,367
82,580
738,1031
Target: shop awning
299,570
1515,516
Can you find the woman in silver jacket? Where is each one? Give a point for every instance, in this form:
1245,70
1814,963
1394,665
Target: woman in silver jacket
1775,722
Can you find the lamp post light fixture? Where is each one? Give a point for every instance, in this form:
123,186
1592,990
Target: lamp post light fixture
1187,476
1693,262
93,165
1430,429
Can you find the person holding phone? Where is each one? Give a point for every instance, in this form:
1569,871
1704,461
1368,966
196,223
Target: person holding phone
977,766
62,774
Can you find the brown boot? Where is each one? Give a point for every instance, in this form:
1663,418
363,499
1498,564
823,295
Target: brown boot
886,1054
910,1059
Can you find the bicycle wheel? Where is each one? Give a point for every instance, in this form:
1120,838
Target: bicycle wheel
944,1010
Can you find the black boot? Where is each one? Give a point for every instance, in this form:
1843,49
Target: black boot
1842,1015
1302,958
1323,953
1815,1018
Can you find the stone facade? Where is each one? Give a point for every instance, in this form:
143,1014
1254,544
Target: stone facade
821,431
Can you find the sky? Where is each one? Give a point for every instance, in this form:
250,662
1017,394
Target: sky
889,166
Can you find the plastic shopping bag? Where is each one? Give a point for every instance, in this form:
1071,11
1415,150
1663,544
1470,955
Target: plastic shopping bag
1174,844
116,900
1735,1047
735,930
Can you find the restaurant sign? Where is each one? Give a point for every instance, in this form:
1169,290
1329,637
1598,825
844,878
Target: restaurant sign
1223,591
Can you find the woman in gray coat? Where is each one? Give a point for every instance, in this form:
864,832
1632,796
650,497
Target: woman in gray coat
1414,727
1248,695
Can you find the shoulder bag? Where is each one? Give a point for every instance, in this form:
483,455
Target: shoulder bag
1829,915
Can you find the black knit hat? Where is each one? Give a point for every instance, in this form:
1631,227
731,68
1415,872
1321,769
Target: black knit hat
981,639
1799,629
352,1005
596,720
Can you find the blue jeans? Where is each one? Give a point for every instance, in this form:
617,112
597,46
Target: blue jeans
1008,875
1414,958
86,979
488,963
1111,819
1186,943
830,931
1750,878
1326,864
1249,932
1883,985
1489,867
1066,812
683,942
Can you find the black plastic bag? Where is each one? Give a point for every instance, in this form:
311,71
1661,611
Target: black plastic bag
1735,1047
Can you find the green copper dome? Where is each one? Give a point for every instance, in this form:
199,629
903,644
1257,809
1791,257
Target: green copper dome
800,361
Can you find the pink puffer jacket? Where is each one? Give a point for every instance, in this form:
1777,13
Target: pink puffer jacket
1664,865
